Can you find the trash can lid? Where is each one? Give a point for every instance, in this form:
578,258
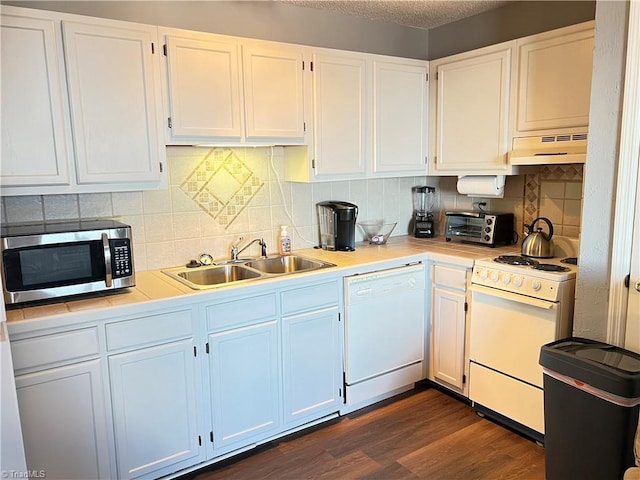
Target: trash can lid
607,367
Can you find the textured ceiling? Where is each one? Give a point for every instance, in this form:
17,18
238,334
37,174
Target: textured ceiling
414,13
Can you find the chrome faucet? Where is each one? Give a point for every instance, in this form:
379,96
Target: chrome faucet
236,250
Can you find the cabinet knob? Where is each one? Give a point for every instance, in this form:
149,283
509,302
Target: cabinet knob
637,286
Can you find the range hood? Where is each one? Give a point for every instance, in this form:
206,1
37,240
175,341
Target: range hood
549,150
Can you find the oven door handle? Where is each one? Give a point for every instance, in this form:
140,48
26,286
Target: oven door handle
513,297
107,260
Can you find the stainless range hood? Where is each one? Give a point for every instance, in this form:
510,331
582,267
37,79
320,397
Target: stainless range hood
549,150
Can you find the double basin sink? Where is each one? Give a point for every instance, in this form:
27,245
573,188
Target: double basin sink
235,271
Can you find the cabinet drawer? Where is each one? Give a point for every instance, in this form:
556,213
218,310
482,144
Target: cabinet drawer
241,312
152,329
310,298
55,348
450,277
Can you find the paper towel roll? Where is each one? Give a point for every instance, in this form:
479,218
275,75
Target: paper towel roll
482,186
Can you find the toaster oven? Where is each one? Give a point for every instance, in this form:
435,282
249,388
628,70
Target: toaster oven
480,227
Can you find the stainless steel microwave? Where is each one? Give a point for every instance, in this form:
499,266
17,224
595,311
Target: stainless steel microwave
481,227
42,261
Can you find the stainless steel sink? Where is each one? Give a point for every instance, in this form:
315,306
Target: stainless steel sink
212,276
287,264
221,274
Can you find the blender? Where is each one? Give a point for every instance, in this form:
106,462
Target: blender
424,199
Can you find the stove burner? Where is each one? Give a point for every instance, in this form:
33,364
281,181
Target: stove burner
548,267
570,260
516,260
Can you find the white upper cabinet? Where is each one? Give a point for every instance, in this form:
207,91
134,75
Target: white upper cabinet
400,116
340,114
471,99
114,96
36,146
232,90
204,88
554,81
273,91
369,119
85,121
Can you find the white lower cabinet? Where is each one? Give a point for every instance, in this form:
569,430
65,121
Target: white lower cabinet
244,372
448,327
244,384
62,413
154,395
311,358
62,405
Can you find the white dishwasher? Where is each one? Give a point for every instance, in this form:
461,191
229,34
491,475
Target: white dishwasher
384,334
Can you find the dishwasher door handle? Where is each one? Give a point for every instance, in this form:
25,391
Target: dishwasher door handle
364,291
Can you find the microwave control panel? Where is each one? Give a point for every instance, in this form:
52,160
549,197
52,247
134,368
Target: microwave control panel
121,264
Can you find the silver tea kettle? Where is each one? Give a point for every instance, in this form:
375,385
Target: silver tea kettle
538,244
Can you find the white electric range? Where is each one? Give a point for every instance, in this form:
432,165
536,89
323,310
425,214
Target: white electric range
518,305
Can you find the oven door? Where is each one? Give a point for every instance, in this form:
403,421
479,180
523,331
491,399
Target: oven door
508,330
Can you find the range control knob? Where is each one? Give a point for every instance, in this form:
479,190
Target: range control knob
518,281
506,278
494,276
484,274
536,285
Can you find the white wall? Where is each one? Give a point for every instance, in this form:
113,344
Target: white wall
592,289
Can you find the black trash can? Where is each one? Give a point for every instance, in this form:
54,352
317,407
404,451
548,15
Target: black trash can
591,406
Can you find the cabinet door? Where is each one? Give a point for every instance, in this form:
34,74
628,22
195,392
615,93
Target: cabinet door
204,88
63,419
448,322
155,409
245,384
472,111
554,79
114,97
340,96
400,118
312,371
35,126
273,92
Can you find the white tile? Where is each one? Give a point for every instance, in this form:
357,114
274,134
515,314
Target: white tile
573,190
259,218
95,205
61,207
571,231
340,191
572,210
552,189
551,209
23,209
181,202
186,225
156,201
127,203
158,227
137,227
322,192
160,255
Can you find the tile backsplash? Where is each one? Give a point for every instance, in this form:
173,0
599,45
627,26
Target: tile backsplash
217,194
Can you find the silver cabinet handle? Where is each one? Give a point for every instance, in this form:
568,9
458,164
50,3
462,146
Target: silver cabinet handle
107,260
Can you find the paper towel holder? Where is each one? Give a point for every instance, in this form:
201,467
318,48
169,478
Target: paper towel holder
489,186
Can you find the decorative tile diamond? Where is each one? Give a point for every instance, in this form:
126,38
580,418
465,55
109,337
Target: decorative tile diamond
222,185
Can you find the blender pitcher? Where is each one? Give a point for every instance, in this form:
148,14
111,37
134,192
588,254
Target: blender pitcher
424,199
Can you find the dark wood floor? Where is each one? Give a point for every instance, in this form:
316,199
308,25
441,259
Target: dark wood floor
423,435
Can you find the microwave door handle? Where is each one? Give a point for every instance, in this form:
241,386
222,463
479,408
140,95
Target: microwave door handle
107,260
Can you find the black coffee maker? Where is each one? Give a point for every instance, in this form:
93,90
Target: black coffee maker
337,221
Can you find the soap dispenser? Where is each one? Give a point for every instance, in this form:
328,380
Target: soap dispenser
284,243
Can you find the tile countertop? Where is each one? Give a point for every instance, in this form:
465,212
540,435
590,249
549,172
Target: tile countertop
154,286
